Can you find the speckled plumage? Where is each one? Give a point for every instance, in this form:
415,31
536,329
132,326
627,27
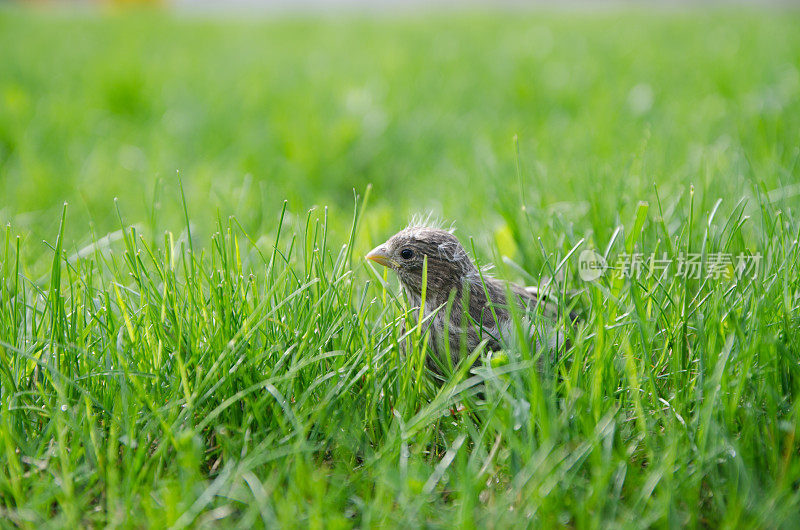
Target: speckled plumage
451,272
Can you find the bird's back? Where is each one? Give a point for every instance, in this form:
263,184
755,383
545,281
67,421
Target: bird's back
491,320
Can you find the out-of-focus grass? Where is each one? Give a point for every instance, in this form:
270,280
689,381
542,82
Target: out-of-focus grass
252,112
195,367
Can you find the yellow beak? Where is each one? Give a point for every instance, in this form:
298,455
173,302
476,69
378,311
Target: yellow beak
381,255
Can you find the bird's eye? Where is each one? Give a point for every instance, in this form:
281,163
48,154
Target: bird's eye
407,253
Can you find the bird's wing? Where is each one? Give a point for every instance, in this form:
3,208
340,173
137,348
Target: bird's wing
549,298
543,301
539,299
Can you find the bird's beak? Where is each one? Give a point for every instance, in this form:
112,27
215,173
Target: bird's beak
381,255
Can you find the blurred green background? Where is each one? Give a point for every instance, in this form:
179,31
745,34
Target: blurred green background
191,373
252,110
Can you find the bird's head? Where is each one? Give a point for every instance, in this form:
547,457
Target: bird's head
405,252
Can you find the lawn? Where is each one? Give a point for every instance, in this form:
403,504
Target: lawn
190,336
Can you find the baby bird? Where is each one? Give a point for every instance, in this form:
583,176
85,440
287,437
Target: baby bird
450,272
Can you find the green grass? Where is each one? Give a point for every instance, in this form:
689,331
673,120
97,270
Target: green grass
211,349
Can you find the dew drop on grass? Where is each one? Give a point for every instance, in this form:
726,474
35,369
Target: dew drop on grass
64,408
